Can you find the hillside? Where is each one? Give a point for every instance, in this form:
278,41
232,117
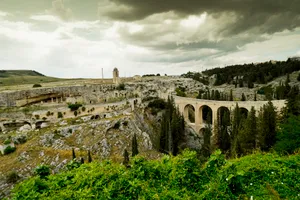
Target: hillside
19,77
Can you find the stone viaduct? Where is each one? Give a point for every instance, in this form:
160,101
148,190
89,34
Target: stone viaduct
199,105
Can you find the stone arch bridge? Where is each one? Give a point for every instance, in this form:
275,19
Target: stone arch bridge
199,106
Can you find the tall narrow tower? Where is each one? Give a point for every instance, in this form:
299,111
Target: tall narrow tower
116,76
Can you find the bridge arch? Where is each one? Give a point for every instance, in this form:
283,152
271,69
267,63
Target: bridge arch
189,113
205,114
223,115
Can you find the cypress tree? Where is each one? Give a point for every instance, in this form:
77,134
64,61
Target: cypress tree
89,156
241,83
73,154
134,146
126,158
249,133
231,96
217,95
243,97
293,101
236,126
222,136
206,149
212,95
267,127
82,160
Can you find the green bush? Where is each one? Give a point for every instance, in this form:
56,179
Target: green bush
180,91
262,176
75,106
60,115
37,85
42,171
157,103
37,117
83,109
48,113
12,177
75,113
117,125
7,141
9,149
121,86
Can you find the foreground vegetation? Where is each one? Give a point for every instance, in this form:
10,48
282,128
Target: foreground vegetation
257,176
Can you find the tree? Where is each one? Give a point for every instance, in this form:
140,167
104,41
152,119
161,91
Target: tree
89,157
288,138
255,98
126,158
241,83
235,129
243,97
298,77
267,127
73,154
134,146
249,133
82,160
288,78
231,96
293,101
222,137
250,84
207,132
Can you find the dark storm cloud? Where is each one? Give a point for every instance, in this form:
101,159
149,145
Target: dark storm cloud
268,15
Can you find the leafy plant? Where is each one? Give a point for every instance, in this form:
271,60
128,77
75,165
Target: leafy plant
42,171
9,149
37,85
75,106
12,177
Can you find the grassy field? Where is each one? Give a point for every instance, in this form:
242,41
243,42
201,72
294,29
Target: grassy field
11,80
20,77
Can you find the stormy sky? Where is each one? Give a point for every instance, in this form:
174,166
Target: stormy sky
76,38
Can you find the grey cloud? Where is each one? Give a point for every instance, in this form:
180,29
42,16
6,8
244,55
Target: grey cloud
59,8
268,15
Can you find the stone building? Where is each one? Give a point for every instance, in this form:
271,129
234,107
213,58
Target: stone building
116,78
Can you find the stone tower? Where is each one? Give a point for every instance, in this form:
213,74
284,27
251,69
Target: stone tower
116,76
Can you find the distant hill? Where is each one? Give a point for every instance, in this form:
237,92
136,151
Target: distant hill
11,73
20,77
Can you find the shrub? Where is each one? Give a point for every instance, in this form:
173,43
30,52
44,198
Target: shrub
44,118
83,109
73,164
180,92
121,86
157,103
59,115
125,123
12,177
42,171
75,113
7,141
74,106
9,149
37,85
48,113
117,125
37,117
